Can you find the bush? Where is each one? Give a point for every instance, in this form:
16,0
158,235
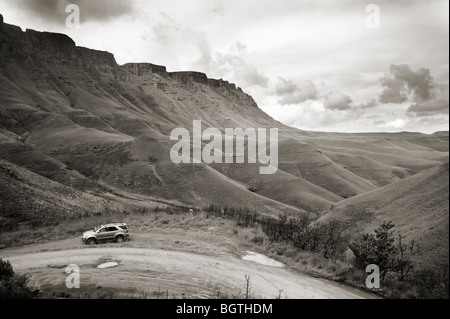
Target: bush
6,270
385,252
432,283
13,286
327,239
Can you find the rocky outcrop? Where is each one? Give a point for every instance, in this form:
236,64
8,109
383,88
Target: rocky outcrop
142,69
224,88
187,77
97,63
35,49
187,80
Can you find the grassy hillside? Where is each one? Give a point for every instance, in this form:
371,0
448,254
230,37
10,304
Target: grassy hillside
418,206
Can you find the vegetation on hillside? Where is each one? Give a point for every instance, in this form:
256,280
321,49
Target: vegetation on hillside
395,260
399,276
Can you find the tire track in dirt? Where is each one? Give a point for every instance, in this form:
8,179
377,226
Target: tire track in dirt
196,275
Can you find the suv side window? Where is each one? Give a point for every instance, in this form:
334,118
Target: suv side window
112,228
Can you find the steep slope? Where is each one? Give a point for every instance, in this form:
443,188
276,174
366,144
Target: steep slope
29,198
418,206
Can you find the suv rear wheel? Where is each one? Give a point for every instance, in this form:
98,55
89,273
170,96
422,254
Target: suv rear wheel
119,239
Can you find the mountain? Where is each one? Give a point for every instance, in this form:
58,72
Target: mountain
71,118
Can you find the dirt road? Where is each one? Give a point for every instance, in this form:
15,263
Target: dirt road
196,275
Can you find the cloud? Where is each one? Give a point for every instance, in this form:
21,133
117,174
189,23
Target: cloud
395,124
403,85
437,104
393,91
237,62
164,29
233,65
419,83
313,115
291,93
402,81
338,101
286,87
368,104
54,10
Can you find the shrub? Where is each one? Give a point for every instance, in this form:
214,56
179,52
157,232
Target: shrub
325,238
432,283
378,249
384,251
13,286
6,270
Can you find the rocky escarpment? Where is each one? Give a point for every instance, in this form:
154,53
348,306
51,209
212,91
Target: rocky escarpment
35,49
41,50
186,79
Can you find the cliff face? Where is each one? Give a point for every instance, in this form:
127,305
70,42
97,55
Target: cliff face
188,80
36,49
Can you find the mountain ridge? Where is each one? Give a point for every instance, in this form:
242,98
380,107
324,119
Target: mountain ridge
66,50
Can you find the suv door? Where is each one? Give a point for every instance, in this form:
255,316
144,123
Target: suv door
102,234
112,231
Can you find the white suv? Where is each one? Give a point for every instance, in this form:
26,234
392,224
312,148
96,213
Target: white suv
117,232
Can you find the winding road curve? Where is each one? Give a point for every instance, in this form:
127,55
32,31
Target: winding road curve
149,270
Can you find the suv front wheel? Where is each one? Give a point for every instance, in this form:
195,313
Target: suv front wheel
91,241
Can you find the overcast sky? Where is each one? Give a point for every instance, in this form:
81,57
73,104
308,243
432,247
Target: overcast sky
315,65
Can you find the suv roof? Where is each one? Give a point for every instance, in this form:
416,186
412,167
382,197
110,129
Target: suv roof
113,224
120,225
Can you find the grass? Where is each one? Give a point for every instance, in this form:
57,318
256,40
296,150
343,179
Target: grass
93,292
26,235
